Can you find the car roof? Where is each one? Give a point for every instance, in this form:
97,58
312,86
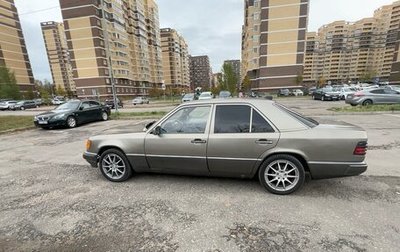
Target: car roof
233,100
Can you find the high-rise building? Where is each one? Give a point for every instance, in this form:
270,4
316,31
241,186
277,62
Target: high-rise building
58,55
175,59
13,53
353,51
236,69
200,72
113,41
273,42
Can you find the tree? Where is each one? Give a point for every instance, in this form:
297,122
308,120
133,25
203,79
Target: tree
8,84
61,91
246,84
321,81
368,76
228,79
299,80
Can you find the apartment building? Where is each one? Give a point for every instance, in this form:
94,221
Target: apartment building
273,42
200,72
354,51
113,41
58,55
175,57
13,53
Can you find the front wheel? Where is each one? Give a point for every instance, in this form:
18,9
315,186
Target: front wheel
22,108
281,174
115,166
71,122
104,116
367,103
323,98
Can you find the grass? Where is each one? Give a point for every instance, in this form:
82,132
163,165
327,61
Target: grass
137,115
11,123
371,108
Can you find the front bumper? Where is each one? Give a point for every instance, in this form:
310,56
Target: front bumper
91,158
50,123
323,170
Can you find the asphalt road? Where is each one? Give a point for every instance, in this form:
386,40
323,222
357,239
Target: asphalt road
52,200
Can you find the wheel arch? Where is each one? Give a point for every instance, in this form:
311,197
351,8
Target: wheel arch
104,148
299,156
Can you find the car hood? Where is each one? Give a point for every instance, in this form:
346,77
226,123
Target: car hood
54,112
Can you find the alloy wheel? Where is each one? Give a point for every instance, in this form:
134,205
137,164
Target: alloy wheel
113,166
71,122
282,175
104,116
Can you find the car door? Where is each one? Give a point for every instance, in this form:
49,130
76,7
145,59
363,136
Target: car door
392,96
378,96
84,113
181,147
96,110
239,135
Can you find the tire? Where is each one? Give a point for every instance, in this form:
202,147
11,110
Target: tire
71,122
353,105
115,166
367,102
148,102
322,98
104,116
313,97
22,108
290,178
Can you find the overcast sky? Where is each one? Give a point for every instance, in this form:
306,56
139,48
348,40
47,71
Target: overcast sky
210,27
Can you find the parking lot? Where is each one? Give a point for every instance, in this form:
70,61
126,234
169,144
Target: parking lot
51,199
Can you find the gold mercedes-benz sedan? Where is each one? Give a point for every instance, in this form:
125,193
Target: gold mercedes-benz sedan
234,138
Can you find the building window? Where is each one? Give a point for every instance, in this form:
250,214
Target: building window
256,16
108,81
108,90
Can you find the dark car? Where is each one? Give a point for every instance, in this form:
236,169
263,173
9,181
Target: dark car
22,105
325,94
284,92
73,113
110,103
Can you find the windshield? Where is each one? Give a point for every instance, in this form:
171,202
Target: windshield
306,120
188,95
72,105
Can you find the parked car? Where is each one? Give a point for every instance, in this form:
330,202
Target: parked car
72,114
283,92
311,90
38,102
22,105
140,100
325,94
224,94
188,97
110,103
214,138
5,105
345,91
374,96
297,92
205,96
58,100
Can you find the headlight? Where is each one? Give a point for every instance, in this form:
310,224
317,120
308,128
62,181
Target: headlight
88,144
35,118
58,116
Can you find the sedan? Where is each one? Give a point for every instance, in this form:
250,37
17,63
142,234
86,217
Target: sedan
72,114
5,105
188,97
140,100
374,96
240,138
22,105
325,94
206,96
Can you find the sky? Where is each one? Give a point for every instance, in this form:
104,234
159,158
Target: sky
210,27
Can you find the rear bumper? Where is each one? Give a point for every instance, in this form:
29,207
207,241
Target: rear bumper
323,170
91,158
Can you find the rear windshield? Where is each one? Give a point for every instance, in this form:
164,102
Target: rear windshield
305,120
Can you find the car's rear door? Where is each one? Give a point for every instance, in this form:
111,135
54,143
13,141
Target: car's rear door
239,135
96,110
181,147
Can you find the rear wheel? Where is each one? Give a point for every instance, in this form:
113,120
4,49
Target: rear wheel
104,116
281,174
71,122
367,102
22,108
115,166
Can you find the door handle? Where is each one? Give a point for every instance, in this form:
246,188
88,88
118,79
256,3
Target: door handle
198,141
264,141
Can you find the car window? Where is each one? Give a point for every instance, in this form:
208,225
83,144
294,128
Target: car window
187,120
94,104
85,105
390,91
378,91
232,119
259,124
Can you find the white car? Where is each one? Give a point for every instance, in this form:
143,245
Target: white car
188,97
6,104
297,92
345,91
140,100
206,96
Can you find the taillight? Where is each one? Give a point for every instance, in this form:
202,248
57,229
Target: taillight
359,94
361,149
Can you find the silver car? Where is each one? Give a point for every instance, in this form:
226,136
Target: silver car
239,138
374,96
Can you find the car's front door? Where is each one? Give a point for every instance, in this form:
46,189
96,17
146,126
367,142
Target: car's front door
182,144
239,136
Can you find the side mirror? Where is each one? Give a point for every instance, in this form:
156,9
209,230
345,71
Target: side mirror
157,131
80,108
